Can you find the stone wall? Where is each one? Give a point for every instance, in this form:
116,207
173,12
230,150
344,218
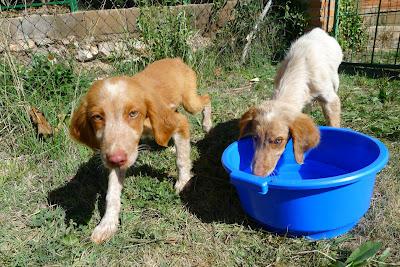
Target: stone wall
96,23
90,34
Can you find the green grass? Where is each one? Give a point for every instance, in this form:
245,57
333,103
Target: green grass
52,191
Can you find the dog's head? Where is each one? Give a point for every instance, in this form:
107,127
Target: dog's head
111,115
271,125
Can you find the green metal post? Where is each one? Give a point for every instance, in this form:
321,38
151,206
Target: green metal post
397,51
336,20
73,5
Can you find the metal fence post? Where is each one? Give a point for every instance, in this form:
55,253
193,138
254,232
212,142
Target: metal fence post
376,31
336,20
397,51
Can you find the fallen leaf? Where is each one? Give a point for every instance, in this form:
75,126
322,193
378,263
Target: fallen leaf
217,72
61,118
39,121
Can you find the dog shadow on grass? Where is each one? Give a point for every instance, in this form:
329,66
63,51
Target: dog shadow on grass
78,197
212,198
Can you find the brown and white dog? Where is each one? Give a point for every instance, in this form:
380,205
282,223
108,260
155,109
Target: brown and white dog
117,111
309,71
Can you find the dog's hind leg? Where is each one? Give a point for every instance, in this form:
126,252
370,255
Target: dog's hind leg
194,103
332,110
207,121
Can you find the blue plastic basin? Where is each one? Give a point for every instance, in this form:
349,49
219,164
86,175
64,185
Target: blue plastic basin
322,198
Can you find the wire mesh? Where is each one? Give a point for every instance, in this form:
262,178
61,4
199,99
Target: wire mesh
95,29
377,42
368,30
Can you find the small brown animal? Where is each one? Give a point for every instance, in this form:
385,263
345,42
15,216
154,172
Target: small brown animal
117,111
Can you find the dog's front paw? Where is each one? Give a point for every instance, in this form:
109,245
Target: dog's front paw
104,231
182,186
207,127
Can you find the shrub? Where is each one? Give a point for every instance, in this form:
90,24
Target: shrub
353,34
286,21
166,33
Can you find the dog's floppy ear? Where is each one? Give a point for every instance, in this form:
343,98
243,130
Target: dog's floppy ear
81,129
164,120
246,122
305,135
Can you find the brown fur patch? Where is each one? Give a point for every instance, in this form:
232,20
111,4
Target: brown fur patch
80,129
246,121
163,120
305,136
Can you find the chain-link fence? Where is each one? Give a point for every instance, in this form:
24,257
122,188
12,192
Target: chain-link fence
95,28
369,32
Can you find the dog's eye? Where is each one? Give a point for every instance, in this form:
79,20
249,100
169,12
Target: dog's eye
277,141
97,117
133,114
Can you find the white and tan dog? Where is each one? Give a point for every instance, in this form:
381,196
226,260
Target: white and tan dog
116,112
309,71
